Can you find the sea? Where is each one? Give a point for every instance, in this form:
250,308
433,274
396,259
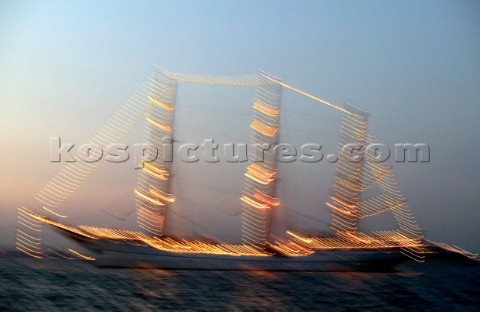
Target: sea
74,285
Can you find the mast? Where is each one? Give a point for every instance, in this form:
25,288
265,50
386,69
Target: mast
258,198
153,191
345,200
357,171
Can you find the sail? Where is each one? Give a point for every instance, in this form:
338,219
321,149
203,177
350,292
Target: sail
259,196
389,199
50,200
358,171
347,183
153,190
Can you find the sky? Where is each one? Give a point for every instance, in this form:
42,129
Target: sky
65,67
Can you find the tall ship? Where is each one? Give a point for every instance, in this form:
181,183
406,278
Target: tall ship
346,246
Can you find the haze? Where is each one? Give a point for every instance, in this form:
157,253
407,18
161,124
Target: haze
66,67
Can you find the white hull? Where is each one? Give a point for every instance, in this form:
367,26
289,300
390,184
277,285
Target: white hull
109,253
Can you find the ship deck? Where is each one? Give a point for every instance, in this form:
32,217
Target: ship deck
296,245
